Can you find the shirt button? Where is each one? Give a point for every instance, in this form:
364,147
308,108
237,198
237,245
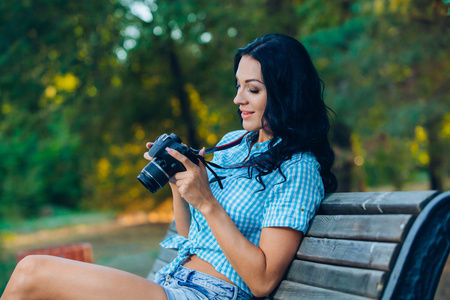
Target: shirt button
257,146
302,208
231,174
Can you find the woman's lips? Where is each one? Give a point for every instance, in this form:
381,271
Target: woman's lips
246,114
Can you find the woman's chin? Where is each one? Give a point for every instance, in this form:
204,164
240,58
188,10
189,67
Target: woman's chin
250,127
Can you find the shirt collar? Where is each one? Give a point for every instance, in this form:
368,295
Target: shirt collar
264,146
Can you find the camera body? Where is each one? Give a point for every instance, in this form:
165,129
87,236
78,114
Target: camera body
163,166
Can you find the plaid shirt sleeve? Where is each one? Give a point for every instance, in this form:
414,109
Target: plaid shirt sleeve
294,202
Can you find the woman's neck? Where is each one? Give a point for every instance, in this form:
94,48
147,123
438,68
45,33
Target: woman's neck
263,136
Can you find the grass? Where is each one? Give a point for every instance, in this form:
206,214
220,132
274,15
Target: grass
59,218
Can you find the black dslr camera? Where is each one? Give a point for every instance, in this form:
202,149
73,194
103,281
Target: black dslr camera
163,166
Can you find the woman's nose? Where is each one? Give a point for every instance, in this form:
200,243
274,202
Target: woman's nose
238,99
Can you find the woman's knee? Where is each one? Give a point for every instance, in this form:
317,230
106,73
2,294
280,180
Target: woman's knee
29,273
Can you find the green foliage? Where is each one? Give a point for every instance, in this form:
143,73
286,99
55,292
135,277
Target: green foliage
38,167
7,265
85,84
385,69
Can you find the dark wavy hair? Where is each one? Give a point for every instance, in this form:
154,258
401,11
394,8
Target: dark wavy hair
295,110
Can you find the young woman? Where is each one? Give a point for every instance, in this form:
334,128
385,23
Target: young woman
234,242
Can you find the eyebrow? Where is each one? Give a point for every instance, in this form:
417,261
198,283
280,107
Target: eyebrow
250,80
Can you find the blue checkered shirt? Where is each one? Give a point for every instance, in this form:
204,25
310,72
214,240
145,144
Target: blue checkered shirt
291,203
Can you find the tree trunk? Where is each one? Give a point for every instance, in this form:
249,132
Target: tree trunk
435,152
344,165
185,104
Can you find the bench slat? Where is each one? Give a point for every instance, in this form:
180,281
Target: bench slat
406,202
369,255
386,228
362,282
294,291
171,231
167,255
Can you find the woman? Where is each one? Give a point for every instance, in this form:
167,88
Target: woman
234,242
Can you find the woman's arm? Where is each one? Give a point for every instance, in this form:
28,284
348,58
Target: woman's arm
181,210
261,267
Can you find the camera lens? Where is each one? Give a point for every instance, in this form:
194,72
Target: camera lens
153,177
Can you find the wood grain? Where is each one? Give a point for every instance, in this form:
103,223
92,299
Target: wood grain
386,228
362,254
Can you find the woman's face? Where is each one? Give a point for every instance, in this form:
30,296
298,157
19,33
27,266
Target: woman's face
251,94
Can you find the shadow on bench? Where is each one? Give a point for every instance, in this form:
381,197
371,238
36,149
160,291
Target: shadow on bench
377,245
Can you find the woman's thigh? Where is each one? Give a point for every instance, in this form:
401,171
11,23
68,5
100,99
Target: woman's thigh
49,277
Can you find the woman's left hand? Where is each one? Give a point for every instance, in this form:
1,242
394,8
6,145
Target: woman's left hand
193,184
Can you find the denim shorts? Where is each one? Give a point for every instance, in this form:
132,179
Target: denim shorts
188,284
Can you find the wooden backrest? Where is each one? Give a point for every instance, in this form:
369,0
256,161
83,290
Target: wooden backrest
353,248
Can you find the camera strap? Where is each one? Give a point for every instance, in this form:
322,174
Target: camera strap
248,163
226,146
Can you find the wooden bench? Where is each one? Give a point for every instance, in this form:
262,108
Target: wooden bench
376,245
76,251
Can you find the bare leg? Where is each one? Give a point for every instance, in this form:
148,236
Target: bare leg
49,277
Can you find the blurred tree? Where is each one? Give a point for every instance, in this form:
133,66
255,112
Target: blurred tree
315,19
54,58
387,69
83,86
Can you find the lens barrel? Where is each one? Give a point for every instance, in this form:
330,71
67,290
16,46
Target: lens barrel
153,177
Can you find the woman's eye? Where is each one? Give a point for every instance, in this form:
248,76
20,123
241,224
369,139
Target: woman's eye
254,91
237,86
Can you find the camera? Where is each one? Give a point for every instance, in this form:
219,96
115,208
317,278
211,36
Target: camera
163,166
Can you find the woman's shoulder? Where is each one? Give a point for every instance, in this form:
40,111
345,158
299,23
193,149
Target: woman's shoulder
302,158
231,137
302,168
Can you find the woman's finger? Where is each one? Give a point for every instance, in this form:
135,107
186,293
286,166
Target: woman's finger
146,156
202,152
188,164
